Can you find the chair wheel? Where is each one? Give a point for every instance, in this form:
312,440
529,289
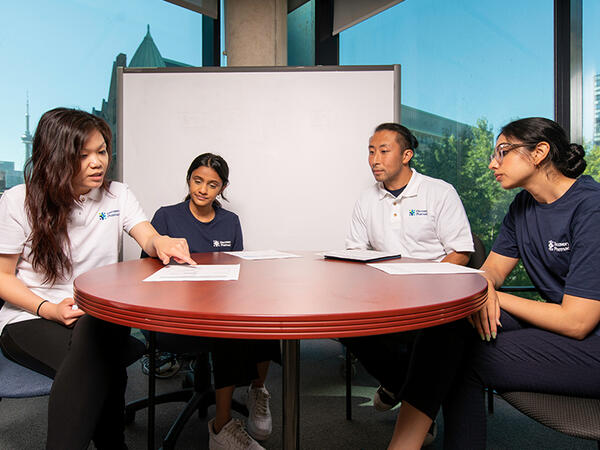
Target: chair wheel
129,416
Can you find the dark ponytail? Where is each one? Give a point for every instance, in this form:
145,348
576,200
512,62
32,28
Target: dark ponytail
567,158
574,164
403,134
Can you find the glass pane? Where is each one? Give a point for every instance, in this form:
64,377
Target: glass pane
468,68
591,86
63,54
301,35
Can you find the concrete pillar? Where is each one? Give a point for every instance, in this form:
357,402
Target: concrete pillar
256,32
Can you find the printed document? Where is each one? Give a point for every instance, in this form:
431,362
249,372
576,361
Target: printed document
422,268
207,272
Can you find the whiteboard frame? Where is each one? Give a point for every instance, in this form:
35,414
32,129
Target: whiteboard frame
122,72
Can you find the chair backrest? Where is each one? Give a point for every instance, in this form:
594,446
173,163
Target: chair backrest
478,256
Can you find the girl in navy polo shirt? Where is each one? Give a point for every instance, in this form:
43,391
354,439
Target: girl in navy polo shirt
553,227
208,227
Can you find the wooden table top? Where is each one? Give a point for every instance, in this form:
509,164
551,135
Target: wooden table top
297,298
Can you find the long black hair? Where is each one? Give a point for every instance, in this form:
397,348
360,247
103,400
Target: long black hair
215,162
50,195
567,158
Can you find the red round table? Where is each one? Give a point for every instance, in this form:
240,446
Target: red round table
289,299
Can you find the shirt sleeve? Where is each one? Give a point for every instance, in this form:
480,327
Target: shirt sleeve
452,224
238,240
582,279
506,242
159,222
13,220
132,211
357,237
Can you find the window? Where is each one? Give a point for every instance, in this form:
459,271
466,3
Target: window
591,87
63,53
468,68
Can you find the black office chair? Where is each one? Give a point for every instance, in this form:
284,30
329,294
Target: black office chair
197,390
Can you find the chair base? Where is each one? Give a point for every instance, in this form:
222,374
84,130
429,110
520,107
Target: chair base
198,398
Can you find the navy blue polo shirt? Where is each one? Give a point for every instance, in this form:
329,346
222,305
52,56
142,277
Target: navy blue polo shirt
223,233
558,243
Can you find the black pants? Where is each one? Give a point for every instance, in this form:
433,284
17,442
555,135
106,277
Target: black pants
234,360
522,358
88,365
386,356
391,358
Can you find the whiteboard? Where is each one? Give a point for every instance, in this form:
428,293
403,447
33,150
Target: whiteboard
295,139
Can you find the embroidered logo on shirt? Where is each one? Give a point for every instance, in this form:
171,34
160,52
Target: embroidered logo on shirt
221,243
417,212
104,215
554,246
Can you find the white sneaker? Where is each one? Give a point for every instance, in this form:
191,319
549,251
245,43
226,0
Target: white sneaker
260,423
232,436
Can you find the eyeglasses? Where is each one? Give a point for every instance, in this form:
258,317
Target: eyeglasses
502,149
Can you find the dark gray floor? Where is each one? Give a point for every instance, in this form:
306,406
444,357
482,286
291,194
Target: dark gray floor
322,422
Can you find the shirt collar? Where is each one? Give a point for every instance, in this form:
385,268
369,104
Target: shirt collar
94,195
411,189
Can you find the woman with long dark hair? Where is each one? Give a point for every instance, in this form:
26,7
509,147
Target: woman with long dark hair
208,227
553,227
65,220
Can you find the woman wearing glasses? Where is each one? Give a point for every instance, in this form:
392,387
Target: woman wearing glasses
553,227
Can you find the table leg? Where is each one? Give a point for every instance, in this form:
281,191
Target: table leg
151,387
291,394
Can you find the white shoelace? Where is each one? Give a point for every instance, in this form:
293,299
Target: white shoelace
260,401
240,434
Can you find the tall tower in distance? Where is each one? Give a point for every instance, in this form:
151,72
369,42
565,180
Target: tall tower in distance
27,138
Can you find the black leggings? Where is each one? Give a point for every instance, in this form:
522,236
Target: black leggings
88,365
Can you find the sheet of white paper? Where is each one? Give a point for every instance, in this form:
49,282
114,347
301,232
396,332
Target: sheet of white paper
422,268
263,254
210,272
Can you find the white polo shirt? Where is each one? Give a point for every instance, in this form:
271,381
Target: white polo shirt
95,231
426,221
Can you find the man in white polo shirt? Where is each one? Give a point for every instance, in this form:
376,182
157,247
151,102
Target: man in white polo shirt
411,214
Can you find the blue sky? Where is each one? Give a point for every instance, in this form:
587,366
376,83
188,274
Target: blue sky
464,59
62,53
460,59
